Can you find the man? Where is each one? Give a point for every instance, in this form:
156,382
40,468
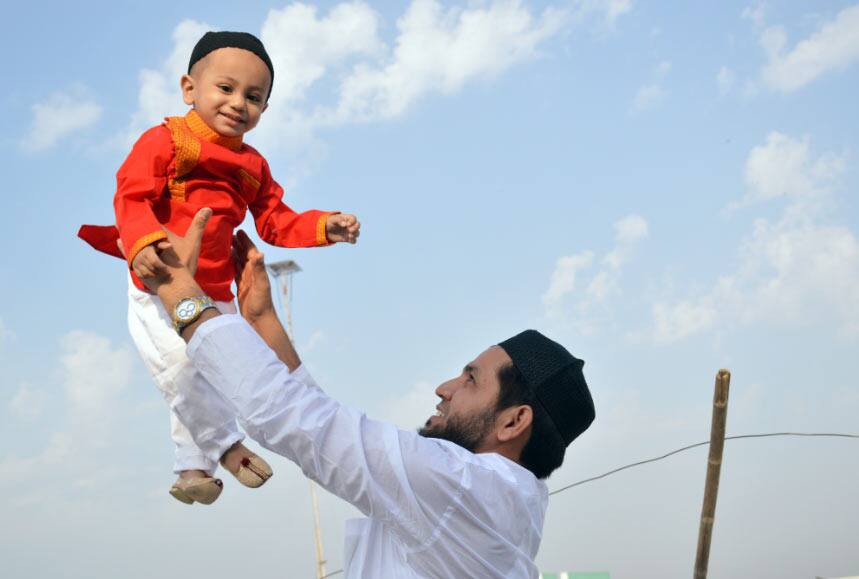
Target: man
461,499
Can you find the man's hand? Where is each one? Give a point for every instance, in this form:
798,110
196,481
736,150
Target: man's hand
253,288
254,292
178,252
183,252
342,227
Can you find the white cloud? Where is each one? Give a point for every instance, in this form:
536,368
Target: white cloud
651,94
783,167
725,80
439,50
334,68
755,14
563,280
663,68
609,11
563,294
28,402
314,341
614,9
159,94
412,409
795,270
833,46
677,321
60,116
648,97
93,375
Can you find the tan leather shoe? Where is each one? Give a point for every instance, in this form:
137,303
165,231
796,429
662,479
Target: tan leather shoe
250,470
203,490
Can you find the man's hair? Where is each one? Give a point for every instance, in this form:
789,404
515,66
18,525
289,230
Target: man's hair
544,451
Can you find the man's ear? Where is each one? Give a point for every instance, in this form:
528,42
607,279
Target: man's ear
186,83
514,422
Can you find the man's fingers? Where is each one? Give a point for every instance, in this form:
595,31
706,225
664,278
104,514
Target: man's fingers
243,243
198,224
257,259
202,216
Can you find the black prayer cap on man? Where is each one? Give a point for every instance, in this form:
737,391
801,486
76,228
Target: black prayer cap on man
212,41
556,378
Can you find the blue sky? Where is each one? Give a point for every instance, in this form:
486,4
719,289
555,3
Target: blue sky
665,191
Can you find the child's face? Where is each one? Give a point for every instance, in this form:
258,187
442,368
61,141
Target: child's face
228,89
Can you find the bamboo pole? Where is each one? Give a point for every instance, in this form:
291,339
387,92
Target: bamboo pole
714,466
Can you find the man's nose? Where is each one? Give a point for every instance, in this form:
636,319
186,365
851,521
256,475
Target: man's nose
445,389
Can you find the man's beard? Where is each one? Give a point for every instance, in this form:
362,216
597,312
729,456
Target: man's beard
467,432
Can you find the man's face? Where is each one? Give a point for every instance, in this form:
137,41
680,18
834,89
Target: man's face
466,413
228,89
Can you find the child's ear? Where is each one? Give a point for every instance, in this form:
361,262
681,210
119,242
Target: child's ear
187,86
264,107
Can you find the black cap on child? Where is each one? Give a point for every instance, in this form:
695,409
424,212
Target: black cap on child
556,378
214,40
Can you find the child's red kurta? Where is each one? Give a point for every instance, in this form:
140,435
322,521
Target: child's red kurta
182,166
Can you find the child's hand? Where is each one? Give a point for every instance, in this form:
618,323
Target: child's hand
147,265
342,227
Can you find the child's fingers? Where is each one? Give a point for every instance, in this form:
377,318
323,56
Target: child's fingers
143,272
155,264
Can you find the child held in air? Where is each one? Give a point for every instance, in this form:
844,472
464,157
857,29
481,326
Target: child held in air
174,170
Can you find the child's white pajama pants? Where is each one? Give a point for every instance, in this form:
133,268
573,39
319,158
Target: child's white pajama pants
163,352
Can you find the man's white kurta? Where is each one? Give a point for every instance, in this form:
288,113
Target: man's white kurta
433,508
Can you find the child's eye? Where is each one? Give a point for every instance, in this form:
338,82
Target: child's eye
225,87
254,98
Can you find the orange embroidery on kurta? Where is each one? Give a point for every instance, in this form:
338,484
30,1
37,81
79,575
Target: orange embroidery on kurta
143,242
186,133
321,226
185,157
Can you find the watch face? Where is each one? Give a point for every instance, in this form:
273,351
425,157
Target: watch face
186,309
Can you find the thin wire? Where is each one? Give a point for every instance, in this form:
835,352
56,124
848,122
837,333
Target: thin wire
691,446
673,452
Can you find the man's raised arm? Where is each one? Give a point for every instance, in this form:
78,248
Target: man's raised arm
255,303
180,254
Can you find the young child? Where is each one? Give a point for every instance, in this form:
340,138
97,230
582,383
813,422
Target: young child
174,170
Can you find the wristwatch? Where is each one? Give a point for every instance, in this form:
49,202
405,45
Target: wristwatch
188,310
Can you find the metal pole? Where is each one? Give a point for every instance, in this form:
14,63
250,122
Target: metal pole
282,272
317,532
714,466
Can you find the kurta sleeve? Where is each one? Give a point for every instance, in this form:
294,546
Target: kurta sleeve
279,225
409,481
140,181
